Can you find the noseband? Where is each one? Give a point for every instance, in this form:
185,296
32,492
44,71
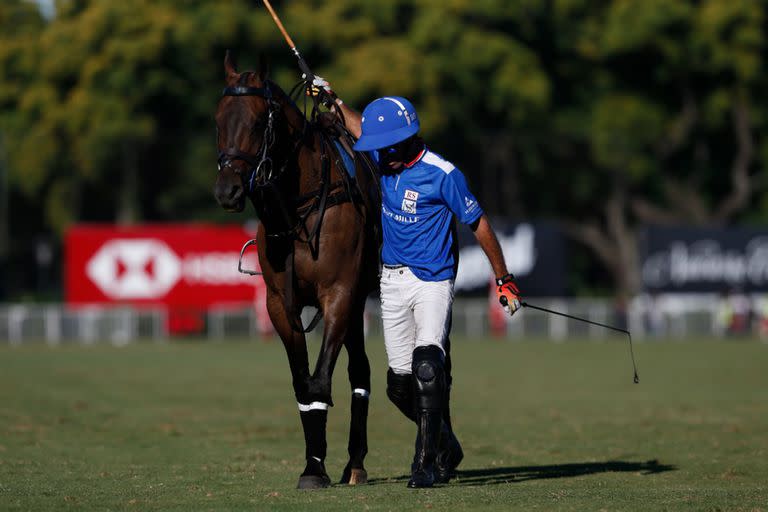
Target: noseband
261,170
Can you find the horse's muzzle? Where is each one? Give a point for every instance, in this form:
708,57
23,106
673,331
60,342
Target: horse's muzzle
231,197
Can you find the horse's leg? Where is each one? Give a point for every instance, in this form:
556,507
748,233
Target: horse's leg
336,311
313,413
359,371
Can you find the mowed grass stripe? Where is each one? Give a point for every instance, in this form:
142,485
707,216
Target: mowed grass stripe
196,426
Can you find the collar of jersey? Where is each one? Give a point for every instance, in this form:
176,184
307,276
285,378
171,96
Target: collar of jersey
416,160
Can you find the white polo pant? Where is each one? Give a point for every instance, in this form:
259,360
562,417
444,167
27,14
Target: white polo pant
415,313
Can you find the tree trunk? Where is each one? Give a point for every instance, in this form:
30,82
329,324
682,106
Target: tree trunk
4,220
614,242
128,196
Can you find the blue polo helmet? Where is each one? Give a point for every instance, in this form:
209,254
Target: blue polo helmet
387,121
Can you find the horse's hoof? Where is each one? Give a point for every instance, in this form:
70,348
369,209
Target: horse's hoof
313,482
354,476
358,477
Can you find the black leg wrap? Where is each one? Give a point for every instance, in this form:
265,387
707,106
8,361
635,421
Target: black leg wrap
314,433
358,428
354,472
314,475
429,393
400,393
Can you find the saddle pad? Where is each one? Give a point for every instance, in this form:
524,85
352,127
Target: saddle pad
347,160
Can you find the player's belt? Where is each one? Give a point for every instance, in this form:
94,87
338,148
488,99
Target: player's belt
393,267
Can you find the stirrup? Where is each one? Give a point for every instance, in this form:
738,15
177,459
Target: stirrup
240,261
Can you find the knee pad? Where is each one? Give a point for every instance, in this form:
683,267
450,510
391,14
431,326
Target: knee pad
400,392
429,377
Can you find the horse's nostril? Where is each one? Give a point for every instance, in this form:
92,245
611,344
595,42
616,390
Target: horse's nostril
234,192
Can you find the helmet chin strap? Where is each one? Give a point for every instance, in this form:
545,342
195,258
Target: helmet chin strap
406,151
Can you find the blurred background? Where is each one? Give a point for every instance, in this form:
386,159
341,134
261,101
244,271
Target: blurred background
618,146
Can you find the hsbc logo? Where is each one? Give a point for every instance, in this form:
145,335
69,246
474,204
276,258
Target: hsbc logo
147,268
134,269
177,265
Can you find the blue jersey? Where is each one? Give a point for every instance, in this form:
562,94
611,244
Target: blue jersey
417,210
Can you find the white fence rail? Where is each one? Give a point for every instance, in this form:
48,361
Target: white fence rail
670,316
55,324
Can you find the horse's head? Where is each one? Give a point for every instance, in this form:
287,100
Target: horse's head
245,122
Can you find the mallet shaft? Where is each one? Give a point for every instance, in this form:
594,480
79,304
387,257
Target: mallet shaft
636,379
309,76
280,26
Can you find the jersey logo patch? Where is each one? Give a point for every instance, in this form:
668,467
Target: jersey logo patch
471,205
409,201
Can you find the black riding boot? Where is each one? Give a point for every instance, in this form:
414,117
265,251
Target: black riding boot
449,452
400,393
423,468
449,456
429,392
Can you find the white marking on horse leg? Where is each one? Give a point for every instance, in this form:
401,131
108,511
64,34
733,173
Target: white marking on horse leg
314,406
364,393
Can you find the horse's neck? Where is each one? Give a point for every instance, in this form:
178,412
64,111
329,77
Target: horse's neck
308,151
300,155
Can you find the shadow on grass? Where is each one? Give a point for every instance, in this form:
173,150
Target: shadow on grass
512,474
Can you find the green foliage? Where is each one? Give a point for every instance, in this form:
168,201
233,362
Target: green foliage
579,97
623,128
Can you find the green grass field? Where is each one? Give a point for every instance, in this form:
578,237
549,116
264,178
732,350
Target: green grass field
193,426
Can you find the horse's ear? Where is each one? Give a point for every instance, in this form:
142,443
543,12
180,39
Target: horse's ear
263,67
230,66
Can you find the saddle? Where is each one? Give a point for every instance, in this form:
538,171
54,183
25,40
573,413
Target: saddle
366,187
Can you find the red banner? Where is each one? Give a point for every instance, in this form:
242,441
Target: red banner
181,266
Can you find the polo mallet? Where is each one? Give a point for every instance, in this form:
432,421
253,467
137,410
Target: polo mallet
309,76
503,301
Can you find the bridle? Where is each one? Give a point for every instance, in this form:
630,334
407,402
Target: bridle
261,168
263,175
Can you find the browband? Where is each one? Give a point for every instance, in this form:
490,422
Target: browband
243,90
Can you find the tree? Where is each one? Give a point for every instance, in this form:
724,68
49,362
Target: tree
606,116
673,133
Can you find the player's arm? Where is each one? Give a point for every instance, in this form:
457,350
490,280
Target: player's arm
506,289
490,245
352,118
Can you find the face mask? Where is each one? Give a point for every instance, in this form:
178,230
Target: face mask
395,153
404,151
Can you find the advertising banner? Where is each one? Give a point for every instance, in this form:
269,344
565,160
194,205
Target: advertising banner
186,267
691,260
534,252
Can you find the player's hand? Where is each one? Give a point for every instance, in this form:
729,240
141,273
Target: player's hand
322,89
508,293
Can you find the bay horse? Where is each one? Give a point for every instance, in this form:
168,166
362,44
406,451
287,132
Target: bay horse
317,243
